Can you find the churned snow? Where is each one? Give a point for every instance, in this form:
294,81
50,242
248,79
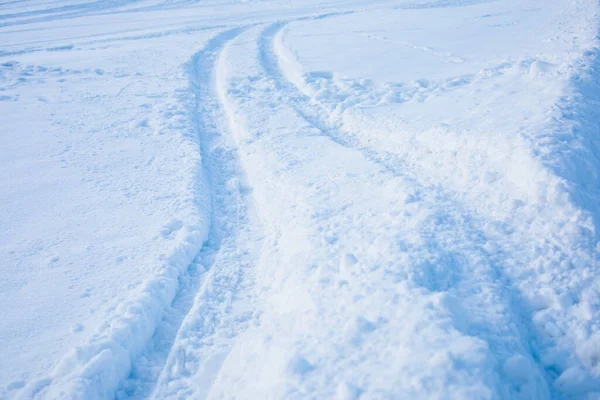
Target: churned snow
330,199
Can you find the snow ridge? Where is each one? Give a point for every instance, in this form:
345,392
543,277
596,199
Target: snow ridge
570,146
95,369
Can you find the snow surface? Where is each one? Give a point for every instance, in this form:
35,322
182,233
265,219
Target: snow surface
328,199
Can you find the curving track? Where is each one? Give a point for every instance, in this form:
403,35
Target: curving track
346,252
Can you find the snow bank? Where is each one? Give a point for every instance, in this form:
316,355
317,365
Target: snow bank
570,146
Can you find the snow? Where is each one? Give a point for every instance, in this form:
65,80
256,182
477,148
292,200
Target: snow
310,199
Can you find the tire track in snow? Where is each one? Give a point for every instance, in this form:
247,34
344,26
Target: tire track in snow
513,349
546,309
196,334
127,353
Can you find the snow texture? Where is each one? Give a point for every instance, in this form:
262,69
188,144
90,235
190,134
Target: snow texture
263,199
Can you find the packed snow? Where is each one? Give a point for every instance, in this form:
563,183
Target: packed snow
317,199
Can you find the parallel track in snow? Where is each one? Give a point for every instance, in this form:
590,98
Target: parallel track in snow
525,335
188,348
221,273
341,255
483,270
185,361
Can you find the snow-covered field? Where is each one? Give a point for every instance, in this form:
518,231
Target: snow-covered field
275,199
